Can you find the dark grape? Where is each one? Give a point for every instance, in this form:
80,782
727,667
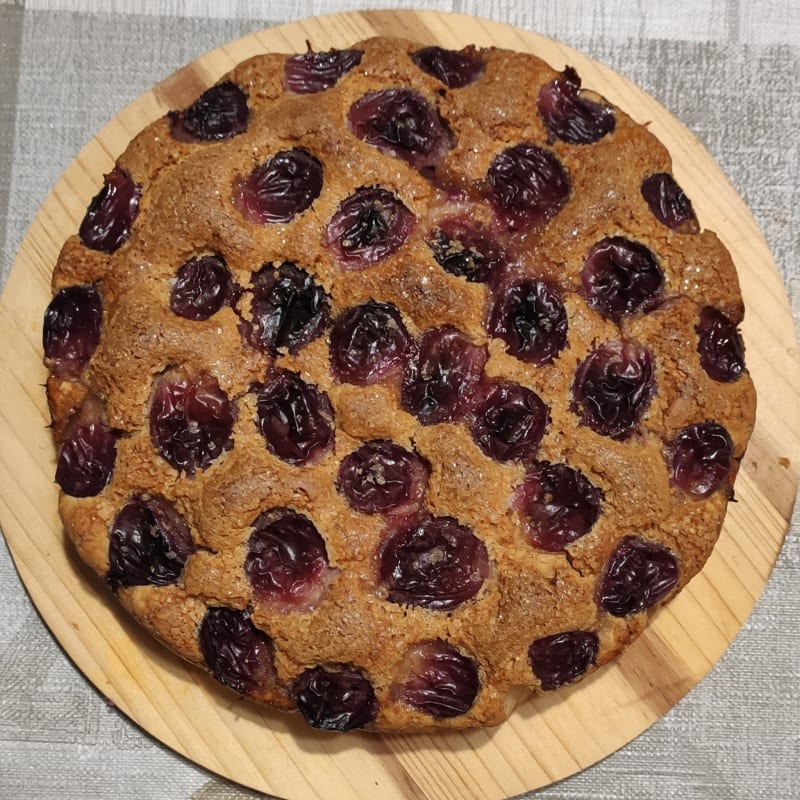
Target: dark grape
570,117
441,380
281,188
440,680
613,388
219,113
669,204
310,72
381,477
87,456
558,504
71,330
700,458
435,563
238,654
107,224
400,122
286,561
201,288
531,319
369,225
465,250
620,277
720,346
295,418
335,700
149,543
368,343
289,309
637,576
563,657
191,420
529,185
454,68
509,423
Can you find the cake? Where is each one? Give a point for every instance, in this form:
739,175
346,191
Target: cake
390,382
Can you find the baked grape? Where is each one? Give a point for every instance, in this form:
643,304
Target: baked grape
71,330
433,562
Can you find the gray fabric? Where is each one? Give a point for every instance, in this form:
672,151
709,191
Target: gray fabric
727,68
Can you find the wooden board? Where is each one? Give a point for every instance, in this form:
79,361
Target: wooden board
546,738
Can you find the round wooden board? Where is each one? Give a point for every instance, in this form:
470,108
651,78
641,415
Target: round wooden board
547,738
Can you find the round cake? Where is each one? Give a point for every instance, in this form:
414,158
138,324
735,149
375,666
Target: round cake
387,382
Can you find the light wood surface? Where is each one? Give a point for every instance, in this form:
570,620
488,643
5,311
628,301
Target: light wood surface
547,738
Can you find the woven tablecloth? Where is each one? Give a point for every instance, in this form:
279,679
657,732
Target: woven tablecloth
728,69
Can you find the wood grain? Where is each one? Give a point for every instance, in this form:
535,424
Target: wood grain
547,738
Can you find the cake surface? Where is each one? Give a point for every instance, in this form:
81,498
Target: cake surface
389,379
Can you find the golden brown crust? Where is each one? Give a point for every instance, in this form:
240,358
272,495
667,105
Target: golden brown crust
186,211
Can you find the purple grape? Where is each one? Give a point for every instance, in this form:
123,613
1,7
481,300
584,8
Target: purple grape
669,204
335,700
381,477
441,381
620,277
509,423
149,544
239,655
433,562
311,72
286,561
400,122
531,319
71,330
107,223
281,188
441,682
613,388
295,418
289,309
369,225
201,288
219,113
368,343
465,250
529,185
570,117
700,458
720,346
557,504
563,657
87,456
454,68
637,576
191,420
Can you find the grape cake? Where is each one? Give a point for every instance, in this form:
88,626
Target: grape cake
388,380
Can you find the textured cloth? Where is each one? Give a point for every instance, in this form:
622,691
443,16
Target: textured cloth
727,68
